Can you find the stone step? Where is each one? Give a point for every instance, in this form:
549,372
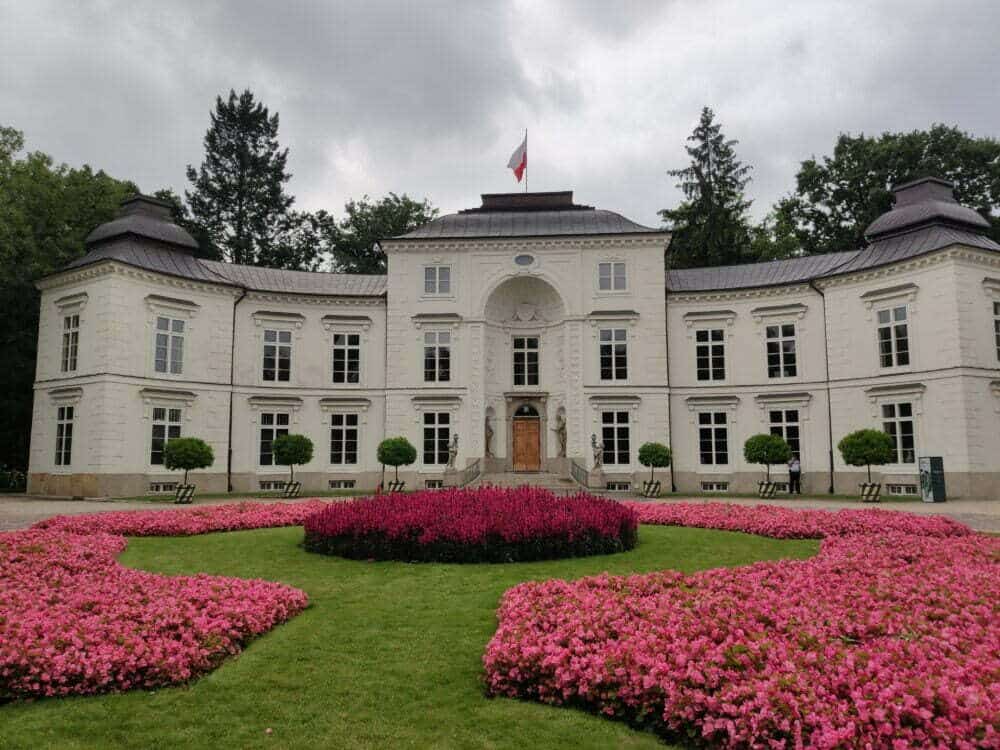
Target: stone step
554,482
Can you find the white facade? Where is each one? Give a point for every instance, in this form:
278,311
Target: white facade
553,314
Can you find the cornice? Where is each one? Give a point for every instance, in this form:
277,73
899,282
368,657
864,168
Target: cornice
523,243
935,257
316,300
110,267
725,295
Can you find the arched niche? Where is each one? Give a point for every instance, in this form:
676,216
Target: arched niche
524,300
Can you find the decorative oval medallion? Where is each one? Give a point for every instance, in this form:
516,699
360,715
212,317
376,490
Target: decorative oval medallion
524,260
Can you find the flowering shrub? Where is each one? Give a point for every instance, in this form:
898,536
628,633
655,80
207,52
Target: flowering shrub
189,521
889,638
487,524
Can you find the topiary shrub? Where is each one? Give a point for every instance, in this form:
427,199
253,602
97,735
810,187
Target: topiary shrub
766,449
396,452
292,450
187,453
655,456
485,524
867,448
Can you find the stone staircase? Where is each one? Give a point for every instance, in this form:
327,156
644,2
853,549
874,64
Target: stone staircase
553,482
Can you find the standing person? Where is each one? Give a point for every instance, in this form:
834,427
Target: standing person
795,476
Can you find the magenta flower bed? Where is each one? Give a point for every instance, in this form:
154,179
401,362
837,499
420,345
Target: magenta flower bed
884,640
187,521
74,621
486,524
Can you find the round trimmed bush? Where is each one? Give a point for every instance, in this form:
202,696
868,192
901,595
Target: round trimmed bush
486,524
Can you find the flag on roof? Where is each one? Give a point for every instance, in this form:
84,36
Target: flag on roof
519,159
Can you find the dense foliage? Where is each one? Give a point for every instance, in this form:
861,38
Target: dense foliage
655,456
396,452
356,248
867,448
885,639
187,453
486,524
292,450
766,449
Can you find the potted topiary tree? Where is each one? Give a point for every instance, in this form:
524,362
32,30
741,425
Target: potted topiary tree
766,449
396,452
655,456
291,450
868,448
187,453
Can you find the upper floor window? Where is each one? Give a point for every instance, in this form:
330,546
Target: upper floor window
346,358
615,437
169,355
710,354
785,424
70,342
166,427
64,435
437,437
343,439
897,421
996,326
614,354
713,438
272,425
277,355
525,360
437,280
781,359
893,337
611,277
437,357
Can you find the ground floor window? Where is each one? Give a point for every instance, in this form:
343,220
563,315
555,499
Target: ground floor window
64,435
166,426
897,421
343,439
785,424
615,437
272,425
713,438
437,436
341,484
715,486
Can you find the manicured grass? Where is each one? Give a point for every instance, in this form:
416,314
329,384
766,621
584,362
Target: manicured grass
387,655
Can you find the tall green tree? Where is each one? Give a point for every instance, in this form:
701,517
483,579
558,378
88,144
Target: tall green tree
710,226
837,196
366,221
238,193
46,211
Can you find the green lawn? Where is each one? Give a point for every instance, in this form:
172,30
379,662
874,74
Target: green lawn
387,656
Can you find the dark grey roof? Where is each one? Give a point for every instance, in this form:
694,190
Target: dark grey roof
142,216
922,202
149,256
749,275
911,244
527,215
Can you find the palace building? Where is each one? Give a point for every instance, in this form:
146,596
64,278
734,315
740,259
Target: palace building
530,334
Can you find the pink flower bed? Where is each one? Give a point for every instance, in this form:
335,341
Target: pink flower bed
203,519
485,524
74,621
886,639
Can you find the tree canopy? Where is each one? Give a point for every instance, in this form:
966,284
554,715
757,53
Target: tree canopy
367,221
766,449
867,448
655,456
187,453
710,226
396,452
292,450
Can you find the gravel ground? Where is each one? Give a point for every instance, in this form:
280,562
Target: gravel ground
20,511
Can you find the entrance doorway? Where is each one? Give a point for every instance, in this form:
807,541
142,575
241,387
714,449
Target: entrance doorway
526,437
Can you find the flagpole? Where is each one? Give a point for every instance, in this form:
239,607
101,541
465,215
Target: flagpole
526,160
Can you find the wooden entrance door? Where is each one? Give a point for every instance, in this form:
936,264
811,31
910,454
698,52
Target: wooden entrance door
527,441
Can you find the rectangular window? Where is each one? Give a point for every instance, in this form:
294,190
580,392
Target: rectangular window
715,486
781,351
272,425
437,357
897,421
346,358
710,354
343,439
525,360
169,354
166,426
437,280
64,435
614,354
615,437
341,484
713,438
70,342
611,277
893,337
996,326
277,356
785,424
437,436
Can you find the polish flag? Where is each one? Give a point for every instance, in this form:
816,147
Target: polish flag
519,159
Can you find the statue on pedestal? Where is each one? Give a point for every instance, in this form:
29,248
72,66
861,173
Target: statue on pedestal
598,450
452,451
488,430
560,431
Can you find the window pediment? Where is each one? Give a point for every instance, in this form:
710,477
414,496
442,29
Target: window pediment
66,396
72,303
795,310
899,292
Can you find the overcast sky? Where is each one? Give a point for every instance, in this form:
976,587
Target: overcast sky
430,98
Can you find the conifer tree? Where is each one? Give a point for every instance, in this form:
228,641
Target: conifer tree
710,226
